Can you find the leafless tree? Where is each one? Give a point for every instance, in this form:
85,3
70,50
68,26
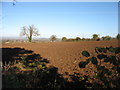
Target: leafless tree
29,32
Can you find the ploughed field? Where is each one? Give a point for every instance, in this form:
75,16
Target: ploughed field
63,55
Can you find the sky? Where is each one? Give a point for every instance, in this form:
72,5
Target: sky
63,19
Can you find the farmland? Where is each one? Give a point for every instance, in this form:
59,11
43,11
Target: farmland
65,56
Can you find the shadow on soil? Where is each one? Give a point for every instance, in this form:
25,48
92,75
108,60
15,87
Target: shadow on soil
12,54
39,75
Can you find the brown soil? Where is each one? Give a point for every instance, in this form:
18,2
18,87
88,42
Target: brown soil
63,55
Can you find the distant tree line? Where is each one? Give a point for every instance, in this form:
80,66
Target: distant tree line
95,37
75,39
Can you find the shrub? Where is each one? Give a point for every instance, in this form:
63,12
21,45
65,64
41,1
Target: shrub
78,38
53,38
106,38
95,36
64,38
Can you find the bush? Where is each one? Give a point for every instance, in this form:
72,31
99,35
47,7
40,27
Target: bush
95,36
78,38
53,38
106,38
64,38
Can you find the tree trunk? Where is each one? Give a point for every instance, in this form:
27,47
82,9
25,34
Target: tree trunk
30,39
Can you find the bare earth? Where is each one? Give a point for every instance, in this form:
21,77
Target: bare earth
63,55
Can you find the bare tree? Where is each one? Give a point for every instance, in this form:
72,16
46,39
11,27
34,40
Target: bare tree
29,32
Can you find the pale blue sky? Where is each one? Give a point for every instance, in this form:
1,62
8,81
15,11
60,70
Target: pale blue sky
70,19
